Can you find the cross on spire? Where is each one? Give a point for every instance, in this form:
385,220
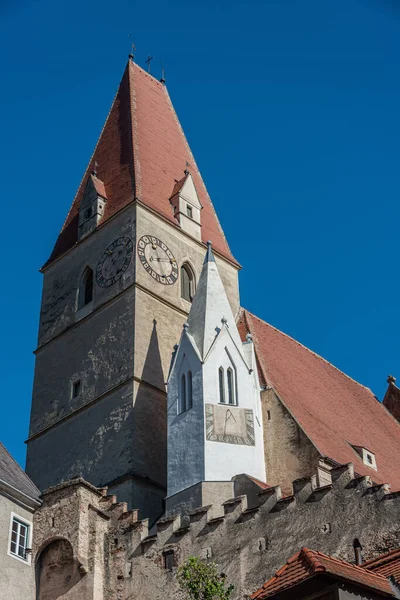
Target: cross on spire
148,61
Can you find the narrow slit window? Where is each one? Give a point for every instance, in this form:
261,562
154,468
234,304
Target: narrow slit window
189,390
189,211
231,388
182,395
221,385
76,388
187,283
86,288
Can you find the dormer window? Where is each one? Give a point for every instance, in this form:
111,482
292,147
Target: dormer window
187,206
92,206
367,456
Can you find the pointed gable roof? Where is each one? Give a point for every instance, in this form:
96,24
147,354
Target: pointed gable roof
333,410
141,153
210,305
14,477
308,563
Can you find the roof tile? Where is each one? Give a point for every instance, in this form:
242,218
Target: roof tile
333,410
12,474
142,153
307,563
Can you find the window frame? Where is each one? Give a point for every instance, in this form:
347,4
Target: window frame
221,385
192,281
77,383
189,211
189,390
185,392
230,383
82,301
28,543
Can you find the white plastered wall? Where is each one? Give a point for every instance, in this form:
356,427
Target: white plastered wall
224,460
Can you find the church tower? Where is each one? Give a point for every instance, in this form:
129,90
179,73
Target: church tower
117,289
214,405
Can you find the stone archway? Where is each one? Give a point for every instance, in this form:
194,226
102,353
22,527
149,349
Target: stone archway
57,571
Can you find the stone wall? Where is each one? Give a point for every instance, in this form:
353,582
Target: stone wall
289,453
248,544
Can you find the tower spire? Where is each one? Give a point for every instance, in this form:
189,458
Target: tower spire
210,307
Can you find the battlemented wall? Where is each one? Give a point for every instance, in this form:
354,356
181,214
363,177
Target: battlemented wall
248,544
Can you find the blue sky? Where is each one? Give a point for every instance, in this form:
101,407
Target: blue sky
292,111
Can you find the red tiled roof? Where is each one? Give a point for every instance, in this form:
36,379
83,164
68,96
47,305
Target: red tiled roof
387,565
141,153
99,186
333,410
261,484
392,400
307,563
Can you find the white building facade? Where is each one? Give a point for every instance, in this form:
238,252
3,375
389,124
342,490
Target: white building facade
214,407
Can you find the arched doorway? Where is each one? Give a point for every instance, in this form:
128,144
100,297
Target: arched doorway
57,571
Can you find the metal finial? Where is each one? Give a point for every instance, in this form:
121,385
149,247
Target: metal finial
148,61
94,171
209,243
391,379
162,80
249,337
224,321
131,55
186,171
186,326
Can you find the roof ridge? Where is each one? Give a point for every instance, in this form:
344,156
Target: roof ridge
22,472
311,352
200,176
87,171
147,74
382,559
340,561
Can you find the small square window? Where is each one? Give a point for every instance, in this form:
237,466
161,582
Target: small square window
168,558
369,459
189,211
76,388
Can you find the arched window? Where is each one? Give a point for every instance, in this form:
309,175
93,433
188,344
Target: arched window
221,385
86,288
187,282
182,394
189,390
231,386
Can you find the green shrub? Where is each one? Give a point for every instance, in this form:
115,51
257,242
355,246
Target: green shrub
202,581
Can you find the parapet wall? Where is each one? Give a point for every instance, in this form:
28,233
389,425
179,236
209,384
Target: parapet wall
248,544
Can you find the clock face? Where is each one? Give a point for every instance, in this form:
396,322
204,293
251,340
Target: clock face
157,259
114,262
